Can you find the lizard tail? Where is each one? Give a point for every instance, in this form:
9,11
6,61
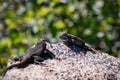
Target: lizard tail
6,70
14,65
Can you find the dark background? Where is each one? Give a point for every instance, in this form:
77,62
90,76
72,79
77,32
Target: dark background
23,22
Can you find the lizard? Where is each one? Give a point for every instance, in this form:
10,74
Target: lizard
31,55
75,41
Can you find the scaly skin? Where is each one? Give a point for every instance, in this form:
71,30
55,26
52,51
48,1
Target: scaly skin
28,57
75,41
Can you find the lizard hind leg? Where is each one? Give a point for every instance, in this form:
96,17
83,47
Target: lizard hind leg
18,58
38,59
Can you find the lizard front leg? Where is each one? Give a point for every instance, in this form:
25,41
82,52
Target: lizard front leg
49,54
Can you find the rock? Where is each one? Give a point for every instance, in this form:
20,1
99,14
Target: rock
72,63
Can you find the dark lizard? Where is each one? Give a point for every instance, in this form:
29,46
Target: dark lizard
75,41
33,54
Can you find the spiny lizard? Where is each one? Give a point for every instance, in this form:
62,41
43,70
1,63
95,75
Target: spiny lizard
75,41
35,53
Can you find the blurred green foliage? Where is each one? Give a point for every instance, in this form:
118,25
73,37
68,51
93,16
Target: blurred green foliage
22,22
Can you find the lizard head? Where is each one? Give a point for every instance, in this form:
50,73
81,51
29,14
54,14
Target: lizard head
63,35
40,44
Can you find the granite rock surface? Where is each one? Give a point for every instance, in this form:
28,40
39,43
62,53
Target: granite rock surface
71,63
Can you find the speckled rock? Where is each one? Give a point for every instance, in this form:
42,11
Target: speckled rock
71,63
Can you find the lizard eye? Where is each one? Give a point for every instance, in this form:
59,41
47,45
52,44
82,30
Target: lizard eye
73,40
